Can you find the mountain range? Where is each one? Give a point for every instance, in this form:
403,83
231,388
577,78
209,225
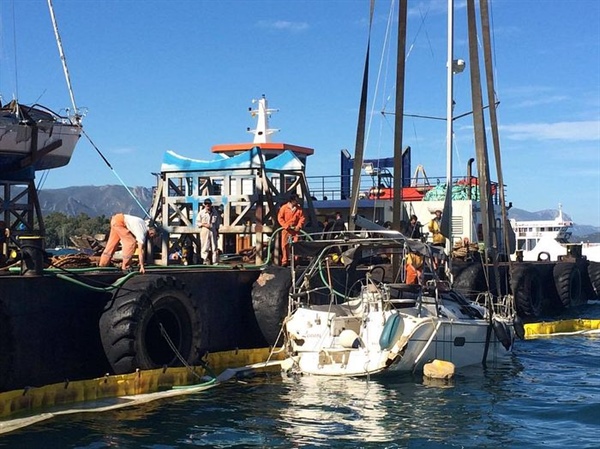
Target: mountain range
110,199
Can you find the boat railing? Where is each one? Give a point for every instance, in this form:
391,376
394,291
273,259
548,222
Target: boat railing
336,187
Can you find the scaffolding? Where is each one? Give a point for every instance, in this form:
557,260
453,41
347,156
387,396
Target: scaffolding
246,189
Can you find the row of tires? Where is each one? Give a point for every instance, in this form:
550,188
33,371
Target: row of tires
549,288
539,288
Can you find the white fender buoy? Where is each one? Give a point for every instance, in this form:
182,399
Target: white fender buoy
439,369
349,339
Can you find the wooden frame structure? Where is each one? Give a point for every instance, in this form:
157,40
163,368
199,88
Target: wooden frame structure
248,198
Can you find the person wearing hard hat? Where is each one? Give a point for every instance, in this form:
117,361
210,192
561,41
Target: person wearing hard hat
435,228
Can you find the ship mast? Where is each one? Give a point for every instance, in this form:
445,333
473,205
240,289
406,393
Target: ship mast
63,59
262,132
446,224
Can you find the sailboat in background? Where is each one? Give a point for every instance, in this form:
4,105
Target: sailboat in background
33,136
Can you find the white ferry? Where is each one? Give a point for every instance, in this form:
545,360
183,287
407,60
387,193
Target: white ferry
549,240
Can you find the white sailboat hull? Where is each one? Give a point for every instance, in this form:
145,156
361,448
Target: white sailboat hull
320,348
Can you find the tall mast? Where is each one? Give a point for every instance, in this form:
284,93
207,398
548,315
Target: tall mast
483,166
359,151
63,59
399,115
446,225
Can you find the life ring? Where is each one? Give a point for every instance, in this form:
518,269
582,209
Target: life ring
567,279
131,327
270,297
526,286
543,256
502,333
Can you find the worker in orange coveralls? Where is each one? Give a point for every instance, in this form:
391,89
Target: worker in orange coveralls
291,218
414,268
128,230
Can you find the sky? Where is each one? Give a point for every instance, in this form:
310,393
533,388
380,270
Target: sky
180,75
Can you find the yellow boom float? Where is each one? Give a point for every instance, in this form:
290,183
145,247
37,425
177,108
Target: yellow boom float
563,327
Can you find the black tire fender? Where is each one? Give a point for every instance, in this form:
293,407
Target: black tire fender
587,289
270,297
594,275
471,281
519,327
503,333
527,290
131,325
551,303
567,279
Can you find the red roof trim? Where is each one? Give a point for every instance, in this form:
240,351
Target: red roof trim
271,146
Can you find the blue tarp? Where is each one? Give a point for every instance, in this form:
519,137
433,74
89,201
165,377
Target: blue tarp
249,159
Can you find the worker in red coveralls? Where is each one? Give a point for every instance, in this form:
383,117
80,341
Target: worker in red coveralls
291,218
128,230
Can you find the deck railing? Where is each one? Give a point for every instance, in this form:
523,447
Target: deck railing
330,187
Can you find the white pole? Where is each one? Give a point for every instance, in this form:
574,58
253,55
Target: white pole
449,123
450,93
64,62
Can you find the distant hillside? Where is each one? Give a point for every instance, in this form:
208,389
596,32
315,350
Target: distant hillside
107,200
95,200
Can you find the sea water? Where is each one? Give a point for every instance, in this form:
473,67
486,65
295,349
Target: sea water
546,395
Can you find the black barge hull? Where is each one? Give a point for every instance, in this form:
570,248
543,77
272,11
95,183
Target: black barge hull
63,327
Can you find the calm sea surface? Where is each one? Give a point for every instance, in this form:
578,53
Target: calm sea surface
547,395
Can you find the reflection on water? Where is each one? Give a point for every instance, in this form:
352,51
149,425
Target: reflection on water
396,409
338,408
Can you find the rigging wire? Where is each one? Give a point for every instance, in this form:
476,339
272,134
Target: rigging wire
494,58
115,173
385,50
42,181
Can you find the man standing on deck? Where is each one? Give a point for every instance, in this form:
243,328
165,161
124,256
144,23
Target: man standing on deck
128,230
208,221
435,227
414,228
291,219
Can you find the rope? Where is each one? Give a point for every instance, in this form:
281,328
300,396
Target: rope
115,173
184,362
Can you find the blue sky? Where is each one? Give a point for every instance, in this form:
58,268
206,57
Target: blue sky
180,75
